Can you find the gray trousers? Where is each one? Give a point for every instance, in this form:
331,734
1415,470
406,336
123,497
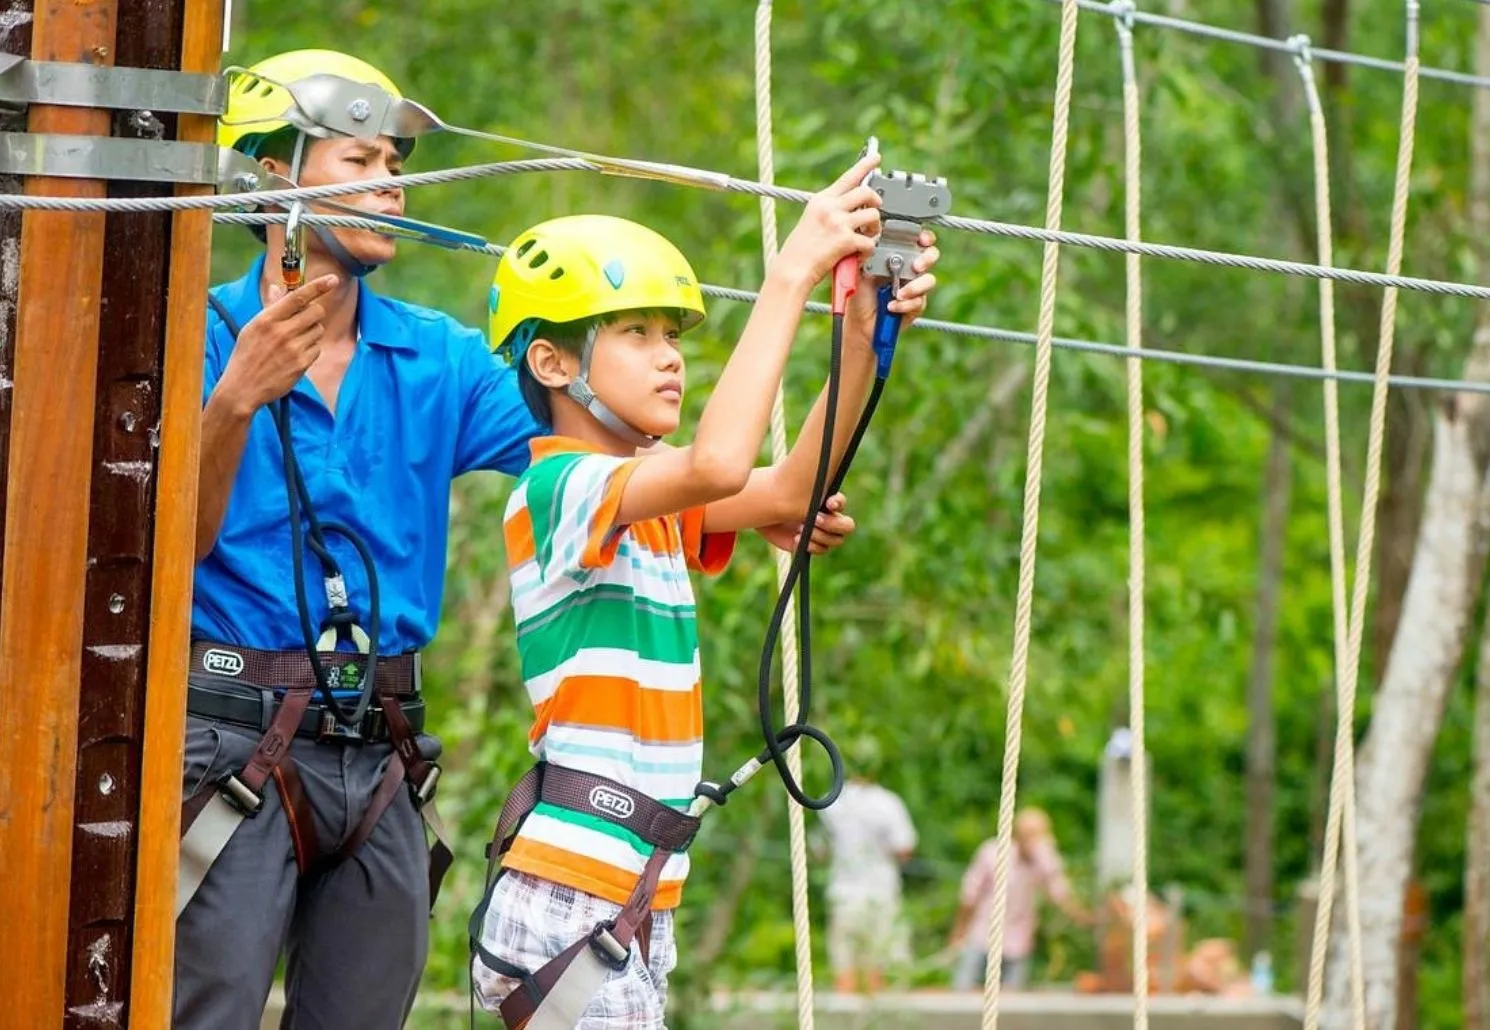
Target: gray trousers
355,937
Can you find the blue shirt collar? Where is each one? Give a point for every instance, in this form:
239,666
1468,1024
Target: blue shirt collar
378,323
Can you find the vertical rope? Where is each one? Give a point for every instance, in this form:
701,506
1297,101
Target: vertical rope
1345,706
1138,767
1343,778
1030,532
797,830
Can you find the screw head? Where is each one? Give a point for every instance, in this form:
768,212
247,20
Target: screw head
360,110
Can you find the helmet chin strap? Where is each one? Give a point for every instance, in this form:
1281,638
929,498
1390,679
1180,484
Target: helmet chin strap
339,253
580,391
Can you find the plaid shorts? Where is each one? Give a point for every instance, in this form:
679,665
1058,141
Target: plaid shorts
529,921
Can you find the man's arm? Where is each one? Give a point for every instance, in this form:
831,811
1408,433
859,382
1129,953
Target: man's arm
270,355
224,435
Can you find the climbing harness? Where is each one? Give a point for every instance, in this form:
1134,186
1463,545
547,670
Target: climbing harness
211,816
556,995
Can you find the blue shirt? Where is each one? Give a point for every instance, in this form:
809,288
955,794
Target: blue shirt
424,400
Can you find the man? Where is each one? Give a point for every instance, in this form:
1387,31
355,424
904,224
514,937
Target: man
871,837
385,403
1035,872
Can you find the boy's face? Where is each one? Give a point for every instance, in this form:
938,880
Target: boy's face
637,370
345,159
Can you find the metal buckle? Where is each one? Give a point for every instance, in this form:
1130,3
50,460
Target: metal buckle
333,731
240,795
425,792
607,948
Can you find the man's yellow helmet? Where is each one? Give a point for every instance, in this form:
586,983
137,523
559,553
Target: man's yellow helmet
259,103
583,266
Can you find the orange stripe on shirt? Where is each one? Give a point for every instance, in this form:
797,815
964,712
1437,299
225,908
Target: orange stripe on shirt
584,873
708,553
517,532
604,539
617,703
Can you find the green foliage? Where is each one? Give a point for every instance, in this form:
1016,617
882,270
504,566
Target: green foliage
914,619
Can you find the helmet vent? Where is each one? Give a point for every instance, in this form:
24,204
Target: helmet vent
539,260
527,245
557,273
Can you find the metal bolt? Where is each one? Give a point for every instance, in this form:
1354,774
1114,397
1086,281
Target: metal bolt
116,603
245,182
106,784
360,110
935,201
127,421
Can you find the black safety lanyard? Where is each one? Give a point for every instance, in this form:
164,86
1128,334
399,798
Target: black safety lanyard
341,621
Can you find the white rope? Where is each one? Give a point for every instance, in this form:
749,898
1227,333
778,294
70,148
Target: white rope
1343,778
1324,224
1138,763
790,683
1030,533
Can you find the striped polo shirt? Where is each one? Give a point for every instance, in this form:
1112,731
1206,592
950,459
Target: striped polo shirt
608,639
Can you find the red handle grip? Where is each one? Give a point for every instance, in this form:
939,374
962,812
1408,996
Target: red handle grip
845,282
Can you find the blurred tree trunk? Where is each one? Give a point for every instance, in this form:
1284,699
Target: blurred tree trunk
1428,646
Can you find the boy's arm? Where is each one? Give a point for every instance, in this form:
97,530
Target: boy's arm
777,493
781,492
719,461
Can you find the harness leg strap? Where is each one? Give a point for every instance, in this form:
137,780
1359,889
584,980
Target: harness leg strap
568,983
297,811
407,764
209,823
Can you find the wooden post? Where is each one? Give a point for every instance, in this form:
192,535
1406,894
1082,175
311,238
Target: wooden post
95,578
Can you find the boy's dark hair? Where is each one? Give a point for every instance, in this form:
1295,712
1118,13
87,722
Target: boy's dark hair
570,338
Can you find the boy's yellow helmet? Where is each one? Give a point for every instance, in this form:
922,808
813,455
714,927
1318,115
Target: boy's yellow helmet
259,104
581,266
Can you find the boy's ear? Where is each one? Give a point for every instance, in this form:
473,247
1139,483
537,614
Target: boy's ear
549,365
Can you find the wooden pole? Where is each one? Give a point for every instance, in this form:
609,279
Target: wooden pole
175,538
46,532
95,576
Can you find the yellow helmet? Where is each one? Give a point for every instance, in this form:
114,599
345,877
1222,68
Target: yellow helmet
260,100
581,266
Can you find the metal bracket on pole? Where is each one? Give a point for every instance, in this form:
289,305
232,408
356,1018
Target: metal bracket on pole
24,82
107,157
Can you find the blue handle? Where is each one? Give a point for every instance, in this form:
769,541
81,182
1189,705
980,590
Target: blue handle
886,332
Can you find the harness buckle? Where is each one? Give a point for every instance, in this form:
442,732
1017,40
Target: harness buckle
240,795
607,948
333,731
424,792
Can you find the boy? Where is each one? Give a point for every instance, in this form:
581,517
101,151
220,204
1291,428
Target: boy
601,532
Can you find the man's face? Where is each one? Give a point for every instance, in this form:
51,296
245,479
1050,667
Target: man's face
345,160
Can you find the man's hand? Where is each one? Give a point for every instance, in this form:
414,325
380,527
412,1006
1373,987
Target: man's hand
832,529
276,347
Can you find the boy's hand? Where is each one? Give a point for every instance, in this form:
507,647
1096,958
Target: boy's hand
832,529
843,219
909,302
